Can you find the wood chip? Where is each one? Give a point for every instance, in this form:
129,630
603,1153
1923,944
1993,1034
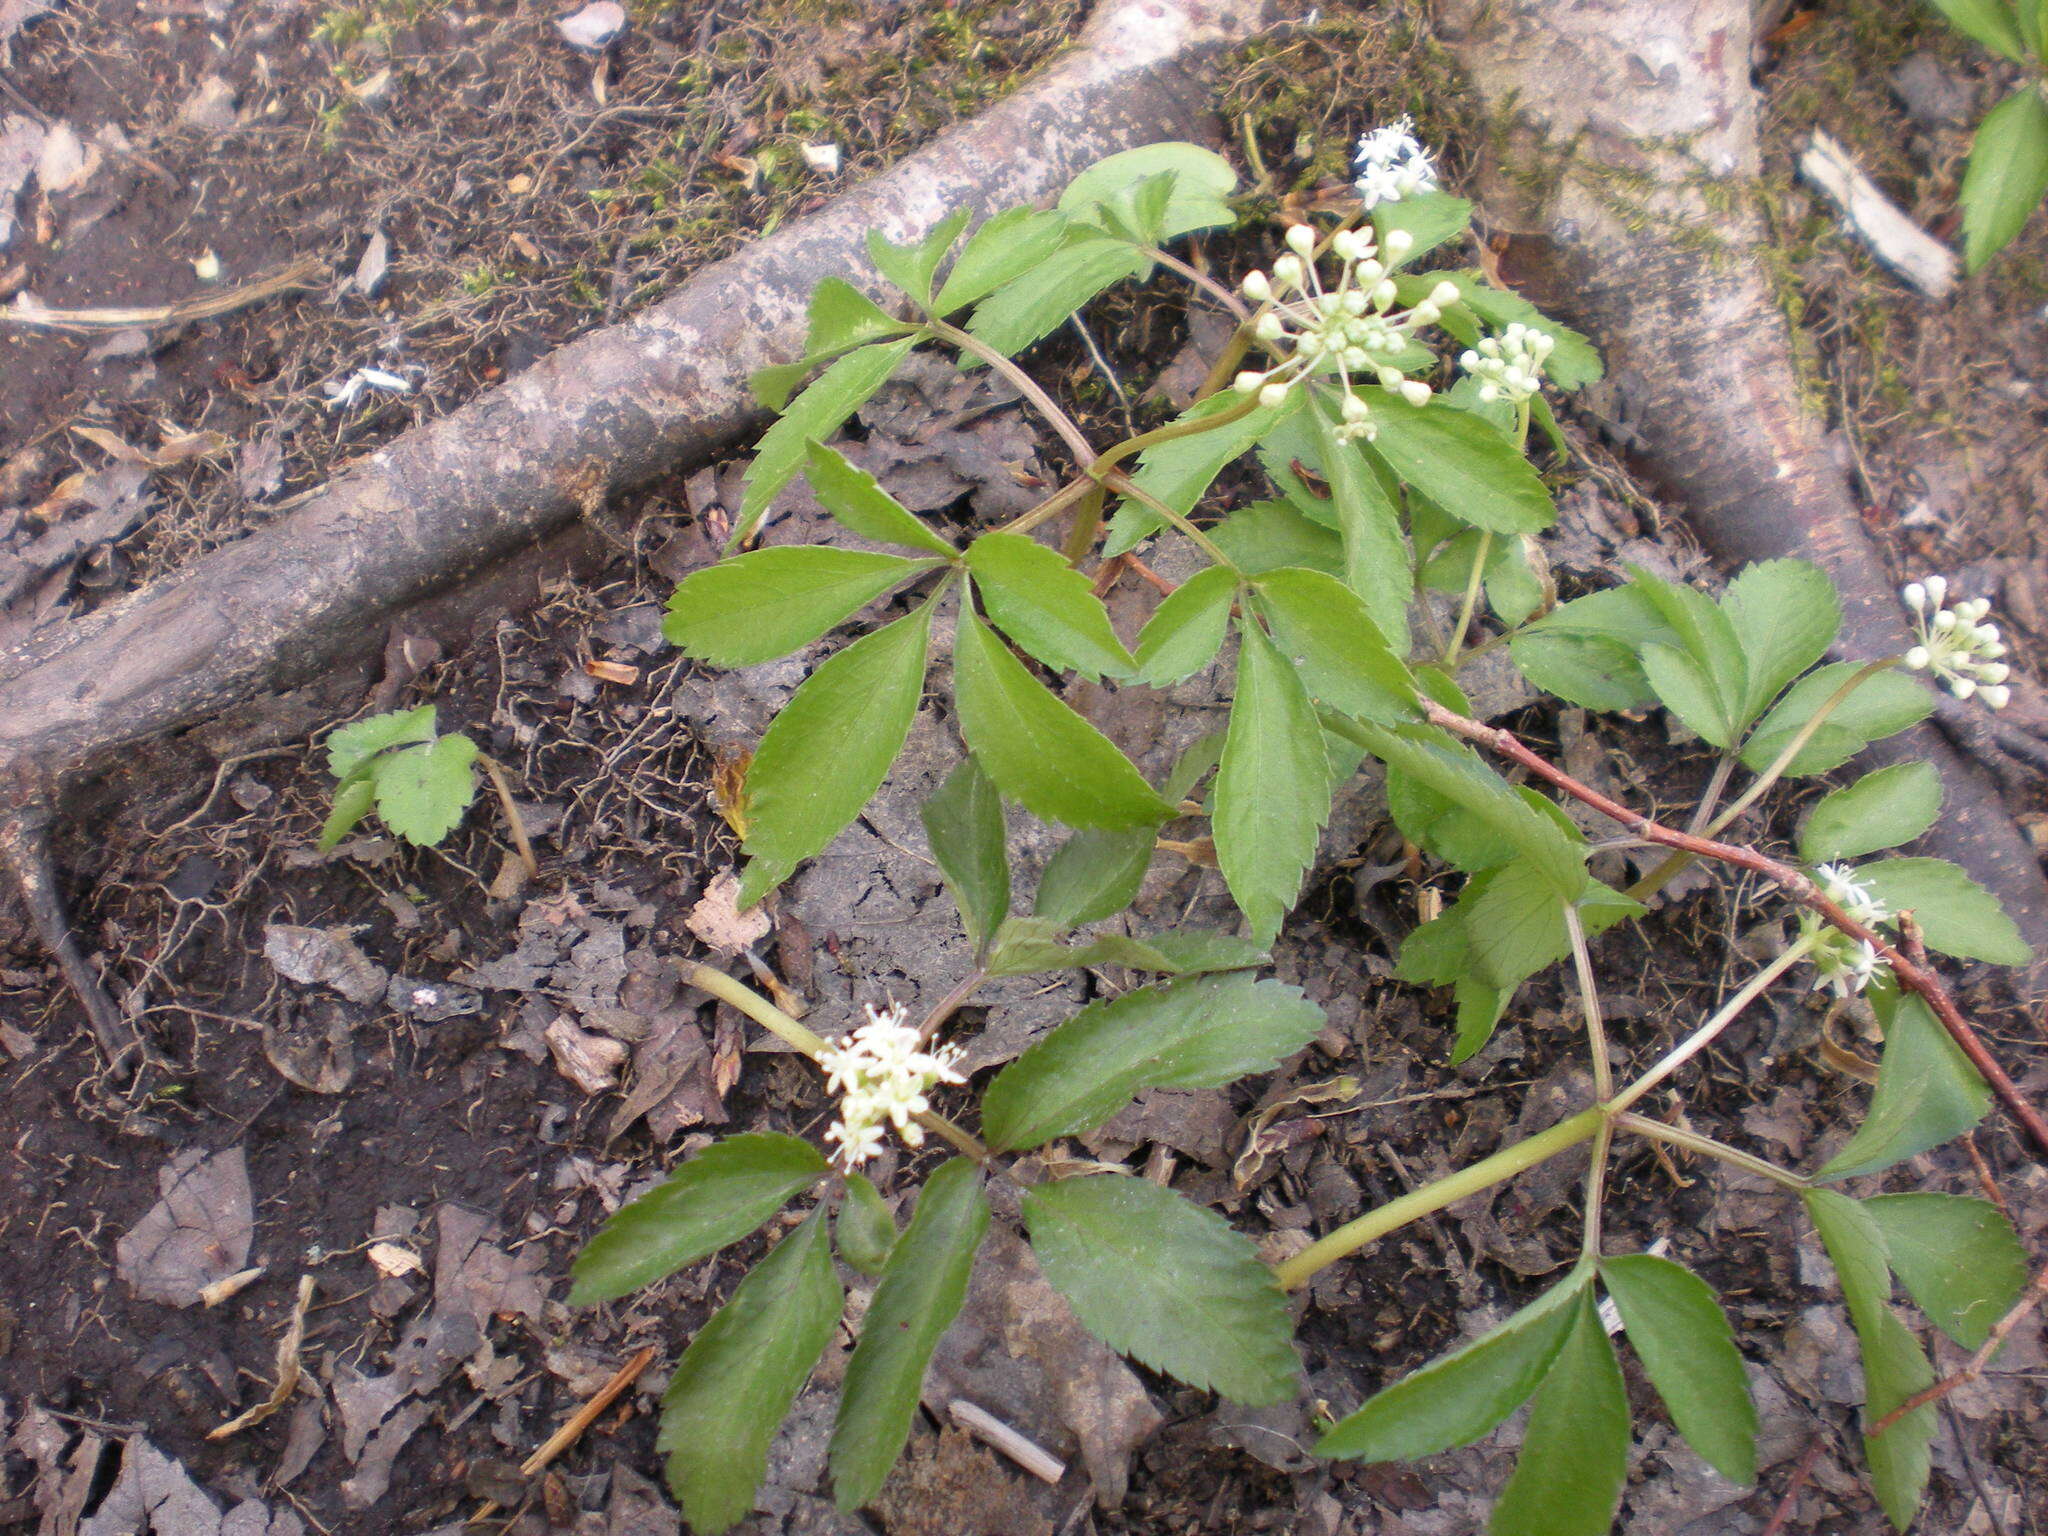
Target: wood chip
1892,237
287,1382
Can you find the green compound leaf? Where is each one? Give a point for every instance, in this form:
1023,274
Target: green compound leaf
1092,875
352,802
842,317
1957,1257
857,500
863,1230
1039,301
423,791
825,755
1269,534
1927,1091
1186,630
2007,174
1167,1283
1701,675
715,1198
1515,924
1677,1327
1894,1365
1956,915
816,414
1460,463
1187,1034
963,821
1180,469
1568,1479
736,1381
1880,810
1005,247
911,267
1272,792
1346,663
1460,776
1431,218
1377,562
919,1296
1585,651
1046,606
770,602
1785,614
1989,22
1459,1396
351,748
1202,181
1881,706
1037,750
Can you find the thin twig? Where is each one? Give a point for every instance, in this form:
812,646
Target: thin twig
1800,1474
578,1422
513,819
1972,1368
299,274
1914,977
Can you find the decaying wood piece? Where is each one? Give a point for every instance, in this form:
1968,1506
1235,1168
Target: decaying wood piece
1631,138
593,419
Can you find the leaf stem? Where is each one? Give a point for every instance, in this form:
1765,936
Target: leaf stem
1482,1175
1589,996
1077,443
1472,585
1125,485
1596,1191
1693,1141
1704,1036
1201,280
755,1007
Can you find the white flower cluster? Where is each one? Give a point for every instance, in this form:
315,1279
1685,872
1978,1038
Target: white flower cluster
1845,964
882,1078
1392,164
1346,330
1509,366
1956,645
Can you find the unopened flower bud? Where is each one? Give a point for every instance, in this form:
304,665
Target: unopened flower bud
1287,271
1996,672
1945,620
1301,240
1962,687
1445,294
1256,287
1917,658
1997,695
1392,378
1272,395
1915,596
1426,313
1350,245
1384,292
1937,590
1354,409
1370,271
1415,392
1248,382
1399,242
1269,327
1354,302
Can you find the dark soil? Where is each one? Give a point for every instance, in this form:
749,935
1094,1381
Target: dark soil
184,857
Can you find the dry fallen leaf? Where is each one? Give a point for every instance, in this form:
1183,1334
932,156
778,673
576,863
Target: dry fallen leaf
198,1233
591,1061
611,671
287,1369
717,921
392,1260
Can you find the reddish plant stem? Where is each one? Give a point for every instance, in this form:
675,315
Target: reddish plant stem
1972,1368
1913,975
1800,1474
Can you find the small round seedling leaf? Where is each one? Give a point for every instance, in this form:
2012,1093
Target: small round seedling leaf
423,791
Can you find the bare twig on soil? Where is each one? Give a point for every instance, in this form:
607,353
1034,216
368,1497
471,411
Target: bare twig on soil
1914,975
299,274
1800,1473
579,1422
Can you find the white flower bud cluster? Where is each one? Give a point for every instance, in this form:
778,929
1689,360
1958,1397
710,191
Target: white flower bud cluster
1847,965
1392,164
1347,330
1955,644
1509,366
882,1079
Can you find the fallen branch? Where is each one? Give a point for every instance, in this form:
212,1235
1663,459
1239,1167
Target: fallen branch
598,417
1640,142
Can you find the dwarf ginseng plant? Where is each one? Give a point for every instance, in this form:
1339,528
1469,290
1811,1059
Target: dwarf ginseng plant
1391,471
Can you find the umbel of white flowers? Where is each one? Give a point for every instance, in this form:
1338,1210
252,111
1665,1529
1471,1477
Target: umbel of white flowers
1955,644
1509,366
1392,164
1347,330
882,1079
1845,964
